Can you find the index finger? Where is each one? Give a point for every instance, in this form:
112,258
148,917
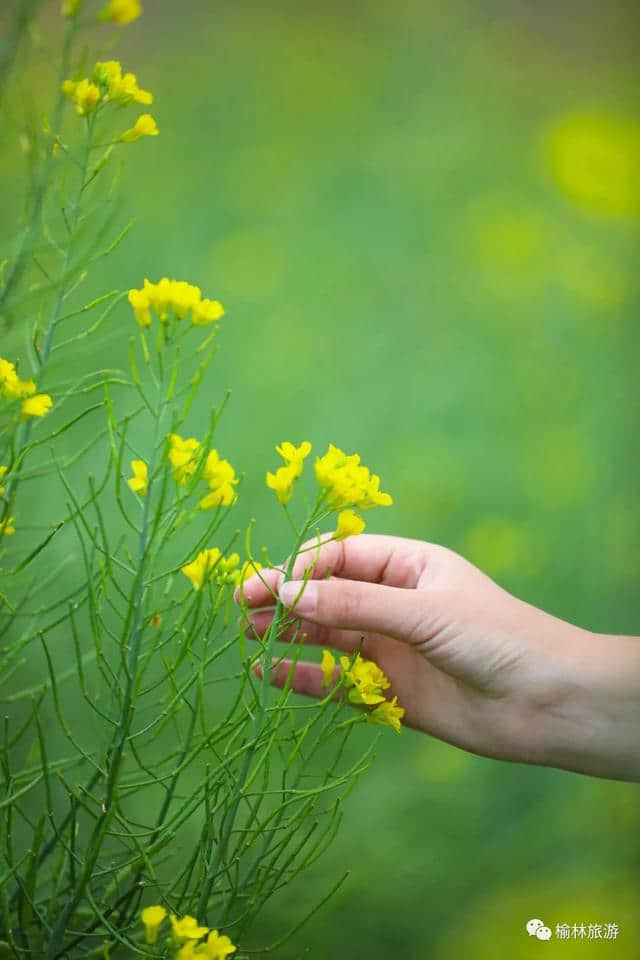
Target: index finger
373,558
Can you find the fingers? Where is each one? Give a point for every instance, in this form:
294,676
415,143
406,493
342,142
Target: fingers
304,631
394,561
307,678
260,590
363,607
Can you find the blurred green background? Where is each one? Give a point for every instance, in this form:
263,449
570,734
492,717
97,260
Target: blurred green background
422,219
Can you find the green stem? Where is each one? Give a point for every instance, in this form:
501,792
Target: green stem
9,47
258,722
42,183
24,430
116,750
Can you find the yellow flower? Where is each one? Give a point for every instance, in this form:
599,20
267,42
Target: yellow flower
107,73
218,471
160,295
7,528
184,456
249,567
139,300
216,947
206,311
387,713
294,456
210,564
3,470
36,406
221,479
145,126
365,680
152,918
122,88
282,482
222,496
11,384
187,951
22,388
327,665
187,928
227,570
139,481
183,297
121,11
347,482
177,295
7,373
350,524
86,96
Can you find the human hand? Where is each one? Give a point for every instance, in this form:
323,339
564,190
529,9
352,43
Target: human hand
469,663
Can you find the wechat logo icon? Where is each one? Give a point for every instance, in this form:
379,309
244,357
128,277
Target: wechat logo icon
536,928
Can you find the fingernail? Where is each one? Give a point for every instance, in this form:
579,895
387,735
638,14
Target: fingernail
304,596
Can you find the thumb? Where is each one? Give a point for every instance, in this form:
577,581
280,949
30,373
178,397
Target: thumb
356,605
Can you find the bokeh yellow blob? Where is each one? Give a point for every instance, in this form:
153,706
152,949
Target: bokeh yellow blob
558,468
593,277
594,158
498,545
251,261
505,241
495,926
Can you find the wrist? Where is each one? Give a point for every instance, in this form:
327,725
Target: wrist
592,723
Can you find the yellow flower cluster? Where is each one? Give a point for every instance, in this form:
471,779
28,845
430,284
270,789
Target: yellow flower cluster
13,388
282,481
184,457
221,479
387,714
84,93
177,296
365,682
118,86
108,84
347,482
343,480
211,565
217,946
364,679
220,476
185,934
121,11
3,470
11,384
7,528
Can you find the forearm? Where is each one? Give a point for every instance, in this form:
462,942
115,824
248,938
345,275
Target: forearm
593,725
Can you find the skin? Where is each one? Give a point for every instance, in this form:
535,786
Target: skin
470,663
